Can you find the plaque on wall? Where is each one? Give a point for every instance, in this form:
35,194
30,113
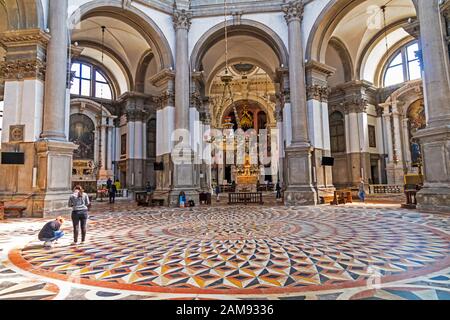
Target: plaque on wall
17,133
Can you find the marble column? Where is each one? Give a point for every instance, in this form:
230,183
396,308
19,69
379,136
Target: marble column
184,179
406,144
300,190
388,132
56,75
435,138
55,153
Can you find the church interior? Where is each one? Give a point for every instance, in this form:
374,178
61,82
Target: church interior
228,149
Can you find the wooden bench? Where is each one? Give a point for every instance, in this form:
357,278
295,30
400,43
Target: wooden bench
342,197
245,198
14,211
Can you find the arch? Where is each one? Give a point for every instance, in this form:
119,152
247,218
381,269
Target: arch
220,67
345,56
380,36
261,102
115,57
23,14
144,62
326,23
245,27
412,90
135,18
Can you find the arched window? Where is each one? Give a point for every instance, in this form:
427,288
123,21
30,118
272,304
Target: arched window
403,66
337,132
89,81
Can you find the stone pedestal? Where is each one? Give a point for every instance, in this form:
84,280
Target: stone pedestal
300,190
435,196
54,160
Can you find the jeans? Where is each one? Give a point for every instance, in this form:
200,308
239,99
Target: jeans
79,218
362,196
112,197
57,235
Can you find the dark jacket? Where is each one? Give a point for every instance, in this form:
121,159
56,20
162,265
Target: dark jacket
48,231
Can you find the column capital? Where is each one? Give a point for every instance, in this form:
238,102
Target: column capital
166,99
318,92
293,11
182,19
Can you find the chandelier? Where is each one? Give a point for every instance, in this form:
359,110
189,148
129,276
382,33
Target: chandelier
226,98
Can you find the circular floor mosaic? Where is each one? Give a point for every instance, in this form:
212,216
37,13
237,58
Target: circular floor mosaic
243,250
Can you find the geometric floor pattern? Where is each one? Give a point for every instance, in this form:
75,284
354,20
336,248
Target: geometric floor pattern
323,252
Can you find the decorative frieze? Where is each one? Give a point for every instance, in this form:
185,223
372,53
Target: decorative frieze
22,69
293,10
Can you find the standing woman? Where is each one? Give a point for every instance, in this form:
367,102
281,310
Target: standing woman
79,201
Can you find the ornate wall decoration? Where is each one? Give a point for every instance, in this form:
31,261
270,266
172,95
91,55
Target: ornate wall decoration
82,134
17,133
22,69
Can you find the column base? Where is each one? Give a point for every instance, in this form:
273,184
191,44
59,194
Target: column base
300,191
434,199
395,174
190,195
305,197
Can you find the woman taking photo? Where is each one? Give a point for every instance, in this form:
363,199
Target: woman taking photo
79,201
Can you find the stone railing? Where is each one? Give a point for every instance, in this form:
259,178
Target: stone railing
385,189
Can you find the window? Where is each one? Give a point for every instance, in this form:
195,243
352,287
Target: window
372,137
89,81
337,132
404,66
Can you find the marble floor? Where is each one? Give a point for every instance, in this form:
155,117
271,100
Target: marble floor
305,253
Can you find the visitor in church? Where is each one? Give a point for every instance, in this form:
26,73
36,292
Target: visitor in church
218,192
362,191
109,183
148,188
112,193
278,189
118,184
51,232
80,203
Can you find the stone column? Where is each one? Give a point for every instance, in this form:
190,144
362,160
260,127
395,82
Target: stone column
56,75
182,156
388,132
435,138
317,75
406,145
299,184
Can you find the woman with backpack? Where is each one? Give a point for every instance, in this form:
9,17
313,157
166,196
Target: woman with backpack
80,203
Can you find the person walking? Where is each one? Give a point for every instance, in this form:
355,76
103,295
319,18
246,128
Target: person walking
218,192
80,203
51,232
278,189
112,193
362,191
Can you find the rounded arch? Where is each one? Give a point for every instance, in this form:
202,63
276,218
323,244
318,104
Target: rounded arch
245,27
23,14
334,13
324,25
220,67
114,56
345,56
258,100
135,18
379,37
144,63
